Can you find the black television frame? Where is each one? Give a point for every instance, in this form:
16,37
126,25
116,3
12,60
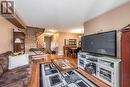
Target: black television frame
93,53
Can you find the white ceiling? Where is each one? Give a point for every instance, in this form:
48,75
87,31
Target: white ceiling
63,15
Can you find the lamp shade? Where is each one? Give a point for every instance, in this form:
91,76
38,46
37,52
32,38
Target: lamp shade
17,40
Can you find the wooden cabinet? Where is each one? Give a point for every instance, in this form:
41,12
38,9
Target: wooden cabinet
68,44
125,54
19,42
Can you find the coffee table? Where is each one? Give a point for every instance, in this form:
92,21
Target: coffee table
63,65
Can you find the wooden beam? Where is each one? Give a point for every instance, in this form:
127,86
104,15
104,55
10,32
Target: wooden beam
13,18
30,27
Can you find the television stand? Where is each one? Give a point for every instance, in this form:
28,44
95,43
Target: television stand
105,68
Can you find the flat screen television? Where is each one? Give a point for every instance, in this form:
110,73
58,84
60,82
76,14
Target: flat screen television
101,43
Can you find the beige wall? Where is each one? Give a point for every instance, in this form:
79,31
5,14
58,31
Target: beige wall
58,38
112,20
55,38
6,35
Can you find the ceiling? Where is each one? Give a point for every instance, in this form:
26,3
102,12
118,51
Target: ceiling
63,15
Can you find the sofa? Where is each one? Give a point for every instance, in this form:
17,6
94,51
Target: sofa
16,77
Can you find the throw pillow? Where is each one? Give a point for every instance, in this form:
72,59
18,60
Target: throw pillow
17,61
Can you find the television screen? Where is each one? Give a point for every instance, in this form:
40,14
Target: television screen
101,43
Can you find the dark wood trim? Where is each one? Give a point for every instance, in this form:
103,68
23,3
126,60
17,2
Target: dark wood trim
15,20
31,27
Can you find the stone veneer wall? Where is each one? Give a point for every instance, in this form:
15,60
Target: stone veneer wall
34,39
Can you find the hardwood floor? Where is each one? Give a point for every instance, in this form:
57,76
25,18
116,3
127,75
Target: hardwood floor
35,78
34,81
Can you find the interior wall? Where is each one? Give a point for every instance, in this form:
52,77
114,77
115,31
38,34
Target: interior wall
112,20
58,40
55,37
6,35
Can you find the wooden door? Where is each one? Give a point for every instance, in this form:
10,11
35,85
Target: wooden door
125,53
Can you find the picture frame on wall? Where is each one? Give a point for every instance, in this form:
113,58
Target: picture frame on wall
70,41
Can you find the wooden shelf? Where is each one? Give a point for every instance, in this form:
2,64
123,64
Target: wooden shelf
19,47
